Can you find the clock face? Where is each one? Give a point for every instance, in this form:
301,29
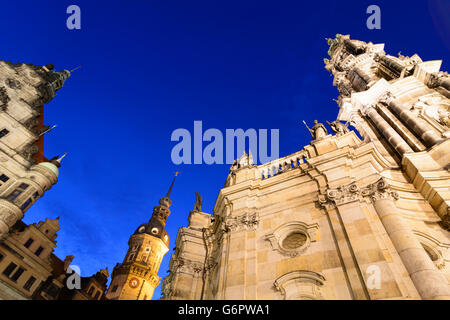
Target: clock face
134,282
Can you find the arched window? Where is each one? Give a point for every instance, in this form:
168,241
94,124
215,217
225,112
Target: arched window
301,285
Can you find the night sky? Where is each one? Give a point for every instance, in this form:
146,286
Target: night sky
150,67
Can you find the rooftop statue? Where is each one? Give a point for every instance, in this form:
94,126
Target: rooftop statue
198,202
318,131
338,127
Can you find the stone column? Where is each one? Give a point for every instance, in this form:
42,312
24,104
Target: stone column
428,280
417,125
394,139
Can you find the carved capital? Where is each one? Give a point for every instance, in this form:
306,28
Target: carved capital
386,98
246,221
187,266
379,190
341,195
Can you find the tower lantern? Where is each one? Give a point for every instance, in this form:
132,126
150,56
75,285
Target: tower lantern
137,277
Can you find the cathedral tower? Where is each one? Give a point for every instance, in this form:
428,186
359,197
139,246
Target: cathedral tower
137,277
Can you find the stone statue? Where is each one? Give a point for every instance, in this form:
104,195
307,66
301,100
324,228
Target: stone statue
444,118
198,202
338,127
318,131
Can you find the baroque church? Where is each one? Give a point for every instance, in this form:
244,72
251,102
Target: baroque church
345,217
350,216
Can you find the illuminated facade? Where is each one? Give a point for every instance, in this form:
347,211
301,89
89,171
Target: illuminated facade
25,173
345,217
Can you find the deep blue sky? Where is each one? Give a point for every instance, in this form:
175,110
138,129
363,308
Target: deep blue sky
150,67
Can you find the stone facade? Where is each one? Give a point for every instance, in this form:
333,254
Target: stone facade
345,217
25,173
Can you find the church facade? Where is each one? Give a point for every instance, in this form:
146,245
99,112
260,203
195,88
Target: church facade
345,217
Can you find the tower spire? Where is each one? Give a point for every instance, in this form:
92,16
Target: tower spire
171,186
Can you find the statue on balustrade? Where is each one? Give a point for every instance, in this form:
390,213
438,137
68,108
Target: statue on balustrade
198,202
318,131
338,127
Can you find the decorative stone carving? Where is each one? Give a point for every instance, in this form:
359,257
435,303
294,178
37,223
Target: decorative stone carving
187,266
386,98
338,127
341,195
246,221
13,83
379,190
246,160
293,238
301,285
4,98
29,151
435,79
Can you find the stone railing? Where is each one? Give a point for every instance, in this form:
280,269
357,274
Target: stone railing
281,165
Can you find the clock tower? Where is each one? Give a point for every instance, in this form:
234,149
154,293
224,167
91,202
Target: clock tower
137,277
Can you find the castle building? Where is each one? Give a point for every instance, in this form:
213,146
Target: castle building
28,267
29,270
345,217
137,276
25,173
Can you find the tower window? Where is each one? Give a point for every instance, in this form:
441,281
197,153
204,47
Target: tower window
96,295
3,132
39,251
114,289
1,257
9,269
26,204
29,283
28,243
23,186
14,195
4,178
35,195
17,274
91,290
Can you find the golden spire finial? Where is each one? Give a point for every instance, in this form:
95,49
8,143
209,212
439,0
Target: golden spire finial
75,69
171,186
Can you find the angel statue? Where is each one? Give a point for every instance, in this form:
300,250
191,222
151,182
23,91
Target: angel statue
338,127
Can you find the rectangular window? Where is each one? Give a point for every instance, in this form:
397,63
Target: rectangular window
28,243
3,132
14,195
17,274
96,295
35,195
23,186
91,290
39,251
114,289
26,204
4,178
9,269
29,283
1,257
